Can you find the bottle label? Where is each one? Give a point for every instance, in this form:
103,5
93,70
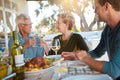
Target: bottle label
19,60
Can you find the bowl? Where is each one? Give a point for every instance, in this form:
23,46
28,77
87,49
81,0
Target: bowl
43,74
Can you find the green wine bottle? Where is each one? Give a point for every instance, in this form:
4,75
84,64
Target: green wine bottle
17,58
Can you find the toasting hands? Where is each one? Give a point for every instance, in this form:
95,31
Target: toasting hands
80,54
28,43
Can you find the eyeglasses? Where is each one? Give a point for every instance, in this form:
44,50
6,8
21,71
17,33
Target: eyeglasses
26,24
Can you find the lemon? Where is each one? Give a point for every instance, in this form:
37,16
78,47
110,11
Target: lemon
61,69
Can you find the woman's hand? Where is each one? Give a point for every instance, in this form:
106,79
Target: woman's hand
43,43
69,55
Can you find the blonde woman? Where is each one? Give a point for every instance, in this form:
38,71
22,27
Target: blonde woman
69,41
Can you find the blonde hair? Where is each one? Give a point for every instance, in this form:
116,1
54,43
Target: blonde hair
67,18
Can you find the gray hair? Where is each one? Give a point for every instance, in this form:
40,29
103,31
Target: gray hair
20,18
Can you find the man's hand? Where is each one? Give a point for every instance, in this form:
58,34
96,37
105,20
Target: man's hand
29,42
86,58
82,55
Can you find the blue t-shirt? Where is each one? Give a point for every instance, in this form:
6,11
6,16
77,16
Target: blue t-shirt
31,51
110,42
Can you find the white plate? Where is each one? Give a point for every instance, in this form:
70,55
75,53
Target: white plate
76,63
54,56
88,77
71,63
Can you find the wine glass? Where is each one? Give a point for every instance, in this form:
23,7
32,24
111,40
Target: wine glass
32,35
56,45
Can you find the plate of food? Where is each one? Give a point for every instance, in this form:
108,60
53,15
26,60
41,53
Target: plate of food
39,68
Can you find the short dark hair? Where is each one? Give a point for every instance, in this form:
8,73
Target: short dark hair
115,3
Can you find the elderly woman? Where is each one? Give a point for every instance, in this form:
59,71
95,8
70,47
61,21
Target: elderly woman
31,47
69,41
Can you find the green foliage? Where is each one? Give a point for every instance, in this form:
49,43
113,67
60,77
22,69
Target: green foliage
75,6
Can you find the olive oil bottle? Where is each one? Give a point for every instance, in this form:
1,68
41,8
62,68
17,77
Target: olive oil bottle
17,58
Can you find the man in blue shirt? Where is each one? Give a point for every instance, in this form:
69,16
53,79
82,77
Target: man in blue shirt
32,47
109,12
